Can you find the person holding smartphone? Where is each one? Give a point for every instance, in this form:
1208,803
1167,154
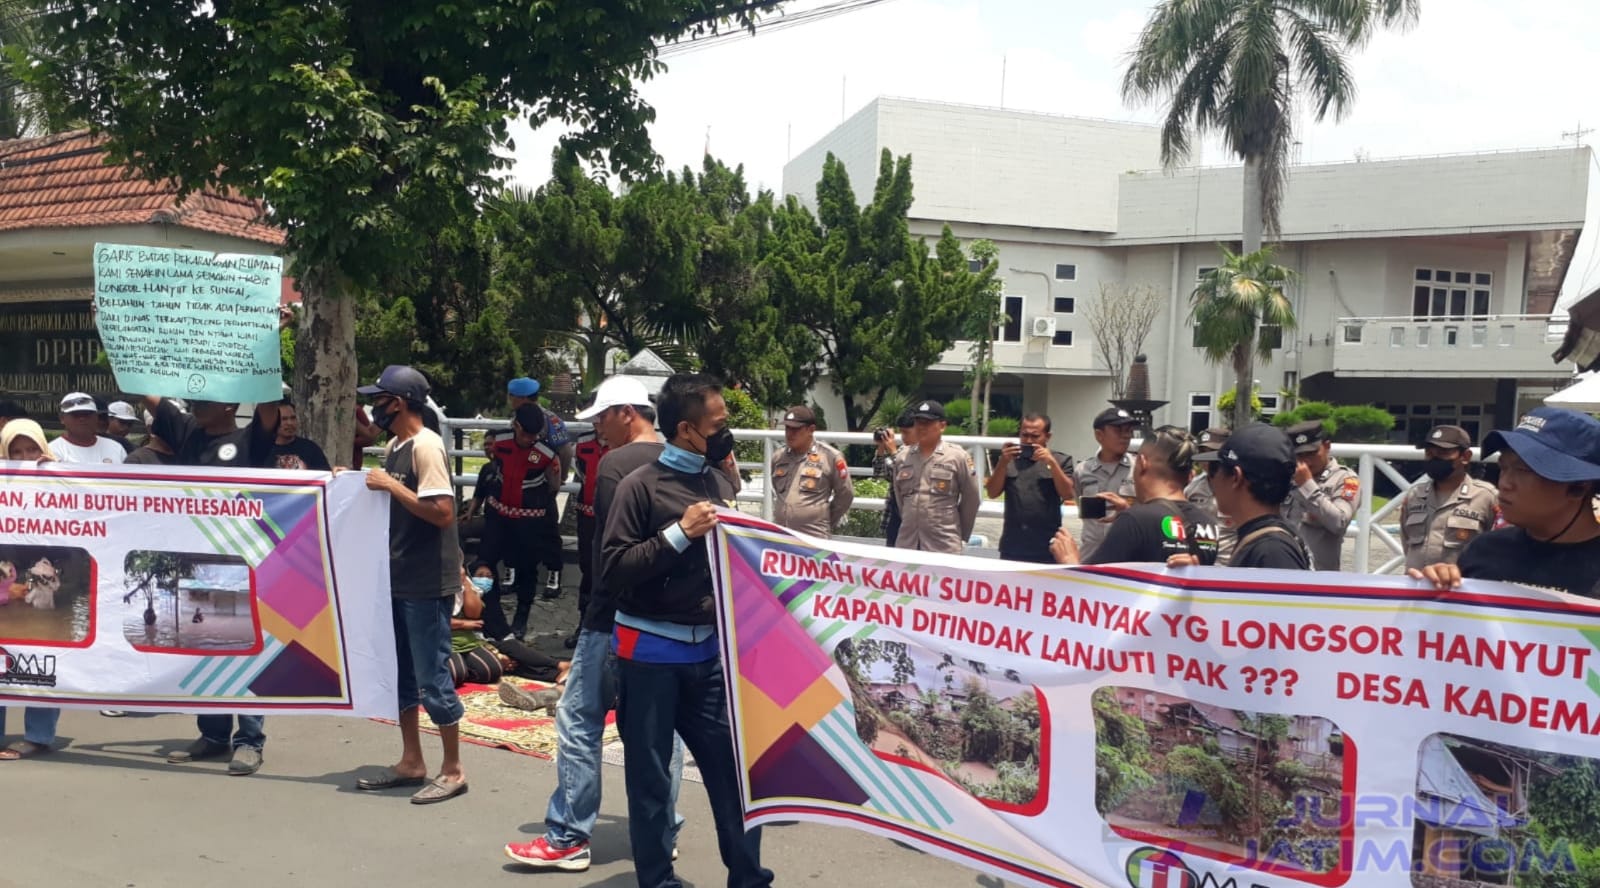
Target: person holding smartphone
1035,481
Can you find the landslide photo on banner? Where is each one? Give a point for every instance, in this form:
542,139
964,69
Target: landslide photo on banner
166,589
1188,728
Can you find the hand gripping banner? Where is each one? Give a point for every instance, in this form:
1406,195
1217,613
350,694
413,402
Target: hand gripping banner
1134,726
188,589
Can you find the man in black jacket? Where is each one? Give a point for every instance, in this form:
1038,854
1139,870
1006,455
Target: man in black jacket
653,561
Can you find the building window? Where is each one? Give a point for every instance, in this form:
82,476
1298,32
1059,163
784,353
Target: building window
1062,338
1199,412
1452,336
1271,336
1066,272
1201,272
1269,404
1440,294
1352,334
1424,336
1397,337
974,265
1508,335
1480,335
1011,325
1066,305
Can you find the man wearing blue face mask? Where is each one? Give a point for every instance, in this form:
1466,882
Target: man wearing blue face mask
653,561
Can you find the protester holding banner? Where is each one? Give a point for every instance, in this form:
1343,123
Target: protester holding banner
1035,481
23,440
1549,474
653,556
936,486
1250,477
424,577
209,436
82,441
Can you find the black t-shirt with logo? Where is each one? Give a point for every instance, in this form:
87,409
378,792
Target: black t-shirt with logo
249,447
1511,555
1269,542
1033,509
300,453
1154,531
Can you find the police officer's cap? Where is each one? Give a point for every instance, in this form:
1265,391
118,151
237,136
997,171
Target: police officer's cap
1307,436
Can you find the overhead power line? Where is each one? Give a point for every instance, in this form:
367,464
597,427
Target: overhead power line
769,26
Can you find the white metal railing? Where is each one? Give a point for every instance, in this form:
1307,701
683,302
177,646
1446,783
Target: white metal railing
1369,461
1452,331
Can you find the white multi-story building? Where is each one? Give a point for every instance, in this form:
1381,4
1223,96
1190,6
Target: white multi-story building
1424,285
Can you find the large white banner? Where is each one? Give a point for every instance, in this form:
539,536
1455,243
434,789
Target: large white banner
1136,727
187,589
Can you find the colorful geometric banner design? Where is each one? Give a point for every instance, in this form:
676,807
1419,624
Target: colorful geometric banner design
1134,726
164,589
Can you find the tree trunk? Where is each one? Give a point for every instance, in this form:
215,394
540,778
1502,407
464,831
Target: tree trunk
595,348
977,390
988,392
1244,385
1254,191
325,366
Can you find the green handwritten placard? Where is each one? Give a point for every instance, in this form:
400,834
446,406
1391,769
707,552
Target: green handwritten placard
190,324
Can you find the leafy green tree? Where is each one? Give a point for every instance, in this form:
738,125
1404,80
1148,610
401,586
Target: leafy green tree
879,309
983,321
1122,759
24,111
1235,68
361,125
1232,302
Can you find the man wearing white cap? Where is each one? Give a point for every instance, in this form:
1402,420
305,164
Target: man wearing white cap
120,420
83,443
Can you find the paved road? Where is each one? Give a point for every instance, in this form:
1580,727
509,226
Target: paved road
108,812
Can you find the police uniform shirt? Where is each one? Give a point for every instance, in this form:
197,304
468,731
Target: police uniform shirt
938,499
1435,525
811,490
1199,493
1091,477
1321,509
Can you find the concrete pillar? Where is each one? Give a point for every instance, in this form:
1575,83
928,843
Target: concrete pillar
1514,282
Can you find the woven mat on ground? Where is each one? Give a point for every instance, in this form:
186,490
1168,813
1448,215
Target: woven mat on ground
489,722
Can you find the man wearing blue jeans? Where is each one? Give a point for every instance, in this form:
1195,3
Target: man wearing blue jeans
38,732
424,579
668,658
625,422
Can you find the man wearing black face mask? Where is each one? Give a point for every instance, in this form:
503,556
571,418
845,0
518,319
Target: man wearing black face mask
653,562
1448,509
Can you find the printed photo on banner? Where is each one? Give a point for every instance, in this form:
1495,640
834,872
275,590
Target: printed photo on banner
45,595
977,727
189,603
1212,781
1491,813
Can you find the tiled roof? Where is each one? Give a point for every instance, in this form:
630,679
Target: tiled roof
63,181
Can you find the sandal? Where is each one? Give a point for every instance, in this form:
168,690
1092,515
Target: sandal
22,749
389,779
442,789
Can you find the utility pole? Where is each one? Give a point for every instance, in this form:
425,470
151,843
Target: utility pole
1576,136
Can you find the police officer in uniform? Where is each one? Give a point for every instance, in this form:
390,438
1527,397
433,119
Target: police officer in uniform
1322,500
936,486
1110,472
811,489
1447,509
1199,492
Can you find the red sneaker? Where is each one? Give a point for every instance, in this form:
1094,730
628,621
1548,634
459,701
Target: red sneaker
540,854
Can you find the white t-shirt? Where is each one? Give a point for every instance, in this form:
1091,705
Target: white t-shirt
104,450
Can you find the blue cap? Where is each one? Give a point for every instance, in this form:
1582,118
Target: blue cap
523,387
400,381
1557,444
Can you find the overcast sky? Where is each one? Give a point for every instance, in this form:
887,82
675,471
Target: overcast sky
1474,75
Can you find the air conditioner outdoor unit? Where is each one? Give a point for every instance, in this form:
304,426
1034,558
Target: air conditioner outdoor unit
1044,328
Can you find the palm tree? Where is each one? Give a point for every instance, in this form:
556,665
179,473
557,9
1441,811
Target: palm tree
1230,305
1236,67
23,108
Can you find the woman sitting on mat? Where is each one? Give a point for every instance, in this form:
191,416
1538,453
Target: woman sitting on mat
480,662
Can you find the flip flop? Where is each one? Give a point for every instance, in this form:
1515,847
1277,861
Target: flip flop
389,779
442,789
22,749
